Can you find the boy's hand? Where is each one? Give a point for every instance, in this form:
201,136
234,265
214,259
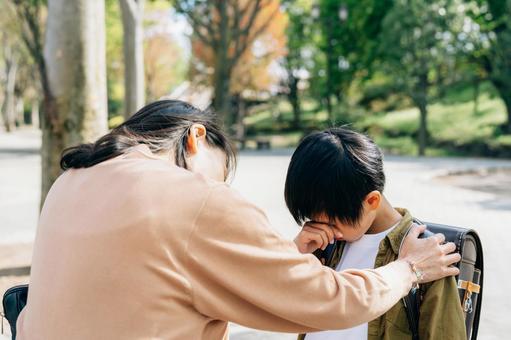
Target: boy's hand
315,236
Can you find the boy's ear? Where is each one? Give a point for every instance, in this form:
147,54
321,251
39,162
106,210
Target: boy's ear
373,200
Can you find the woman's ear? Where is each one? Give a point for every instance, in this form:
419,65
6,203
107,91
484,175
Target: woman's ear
373,200
197,133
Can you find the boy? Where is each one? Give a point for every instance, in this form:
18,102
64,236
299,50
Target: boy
336,180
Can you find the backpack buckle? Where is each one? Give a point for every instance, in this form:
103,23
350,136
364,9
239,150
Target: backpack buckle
467,305
470,288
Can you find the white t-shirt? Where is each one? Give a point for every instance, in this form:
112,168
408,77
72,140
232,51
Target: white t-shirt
360,254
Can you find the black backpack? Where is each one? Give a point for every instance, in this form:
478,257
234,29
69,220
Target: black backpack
13,302
470,279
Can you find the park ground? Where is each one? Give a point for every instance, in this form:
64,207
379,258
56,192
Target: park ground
471,192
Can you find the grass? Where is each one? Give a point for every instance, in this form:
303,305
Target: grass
455,128
451,127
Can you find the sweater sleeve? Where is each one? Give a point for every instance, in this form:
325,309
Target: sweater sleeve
241,270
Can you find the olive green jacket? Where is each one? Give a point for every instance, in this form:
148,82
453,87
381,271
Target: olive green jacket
441,316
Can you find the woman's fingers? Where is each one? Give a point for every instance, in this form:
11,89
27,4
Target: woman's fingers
452,259
440,238
448,248
452,271
416,231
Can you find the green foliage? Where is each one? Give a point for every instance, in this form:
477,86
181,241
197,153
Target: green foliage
494,54
365,62
419,37
114,57
348,33
455,128
299,34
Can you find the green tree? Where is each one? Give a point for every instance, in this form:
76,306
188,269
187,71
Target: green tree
417,40
494,19
349,30
298,44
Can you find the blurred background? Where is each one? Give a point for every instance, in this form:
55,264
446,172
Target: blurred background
429,80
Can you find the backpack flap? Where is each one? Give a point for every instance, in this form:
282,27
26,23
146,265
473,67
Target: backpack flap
470,281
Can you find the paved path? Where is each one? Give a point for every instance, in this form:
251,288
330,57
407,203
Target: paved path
411,183
20,183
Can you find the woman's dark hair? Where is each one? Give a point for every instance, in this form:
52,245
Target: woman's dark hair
163,126
332,172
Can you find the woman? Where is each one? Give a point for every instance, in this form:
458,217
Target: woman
140,238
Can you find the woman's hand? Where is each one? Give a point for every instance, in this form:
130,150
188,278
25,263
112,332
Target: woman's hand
430,256
315,236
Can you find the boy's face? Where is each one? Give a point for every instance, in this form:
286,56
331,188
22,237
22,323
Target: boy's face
353,232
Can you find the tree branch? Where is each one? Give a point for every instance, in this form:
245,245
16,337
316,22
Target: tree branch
198,24
248,38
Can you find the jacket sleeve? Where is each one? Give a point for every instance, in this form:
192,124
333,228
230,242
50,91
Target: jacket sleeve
241,270
441,316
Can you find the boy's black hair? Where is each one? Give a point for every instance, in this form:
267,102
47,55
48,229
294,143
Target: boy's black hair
332,172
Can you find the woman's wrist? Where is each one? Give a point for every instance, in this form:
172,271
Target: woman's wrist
411,270
418,275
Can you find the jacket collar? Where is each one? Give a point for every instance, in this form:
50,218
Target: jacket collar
396,236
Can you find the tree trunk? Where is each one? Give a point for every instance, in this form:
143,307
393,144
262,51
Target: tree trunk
222,100
133,47
330,67
35,114
8,107
423,128
420,97
505,95
329,108
507,103
75,103
19,111
51,150
476,94
240,115
294,100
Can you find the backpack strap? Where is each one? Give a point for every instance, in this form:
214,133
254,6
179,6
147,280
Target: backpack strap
412,301
412,307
